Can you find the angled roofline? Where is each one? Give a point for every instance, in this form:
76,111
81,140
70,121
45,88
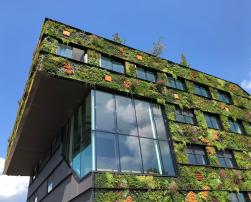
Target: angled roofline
169,61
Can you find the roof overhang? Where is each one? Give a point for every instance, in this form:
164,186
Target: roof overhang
50,103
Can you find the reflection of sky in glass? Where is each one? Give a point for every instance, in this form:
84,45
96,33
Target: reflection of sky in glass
143,118
149,155
86,160
166,158
129,153
104,111
125,116
106,151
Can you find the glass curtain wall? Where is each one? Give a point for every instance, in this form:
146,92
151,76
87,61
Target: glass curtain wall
130,135
116,133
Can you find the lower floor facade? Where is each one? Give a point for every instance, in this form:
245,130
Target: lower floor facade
118,148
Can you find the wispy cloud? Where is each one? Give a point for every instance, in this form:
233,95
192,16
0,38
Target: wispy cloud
12,189
246,84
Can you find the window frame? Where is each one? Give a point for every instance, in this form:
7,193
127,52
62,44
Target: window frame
222,97
112,59
156,139
202,87
222,155
244,194
210,115
235,124
181,111
193,148
175,80
72,47
145,70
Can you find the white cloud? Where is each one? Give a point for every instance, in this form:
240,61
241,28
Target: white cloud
246,84
12,189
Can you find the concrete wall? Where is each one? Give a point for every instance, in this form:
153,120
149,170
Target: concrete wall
66,186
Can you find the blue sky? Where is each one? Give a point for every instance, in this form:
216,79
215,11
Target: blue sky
214,35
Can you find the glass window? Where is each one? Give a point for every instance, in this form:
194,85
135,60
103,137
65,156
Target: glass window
144,119
159,122
106,152
226,159
224,97
176,83
150,156
166,158
105,110
150,76
78,54
145,74
213,121
202,90
129,150
196,155
126,121
76,142
117,67
141,73
71,52
111,64
236,126
106,133
238,197
106,63
65,51
185,116
85,146
50,184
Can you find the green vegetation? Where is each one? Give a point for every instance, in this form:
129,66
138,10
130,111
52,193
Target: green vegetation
216,181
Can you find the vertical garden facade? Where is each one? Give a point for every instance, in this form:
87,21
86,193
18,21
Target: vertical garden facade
100,121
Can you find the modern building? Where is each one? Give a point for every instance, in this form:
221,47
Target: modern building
101,121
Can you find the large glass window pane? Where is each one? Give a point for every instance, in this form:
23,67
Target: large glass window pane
106,63
144,119
86,147
105,109
126,121
65,51
106,152
166,158
76,143
159,122
141,73
150,156
117,67
78,54
129,150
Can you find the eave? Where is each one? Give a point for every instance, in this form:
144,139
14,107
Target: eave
50,102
